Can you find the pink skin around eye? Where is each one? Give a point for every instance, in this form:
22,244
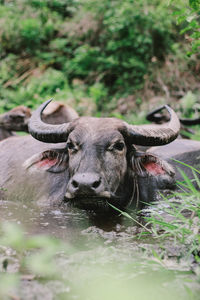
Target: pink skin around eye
154,169
47,162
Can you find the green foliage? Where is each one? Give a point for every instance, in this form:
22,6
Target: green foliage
184,215
189,105
177,217
64,7
36,91
107,44
98,92
24,32
52,80
7,68
127,39
189,16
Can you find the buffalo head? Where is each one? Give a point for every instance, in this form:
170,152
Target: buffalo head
16,119
99,157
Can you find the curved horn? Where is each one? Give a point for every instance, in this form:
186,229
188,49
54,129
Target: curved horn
156,117
155,135
190,122
46,132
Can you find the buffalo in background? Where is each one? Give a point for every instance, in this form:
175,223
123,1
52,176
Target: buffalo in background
159,116
182,149
17,119
14,120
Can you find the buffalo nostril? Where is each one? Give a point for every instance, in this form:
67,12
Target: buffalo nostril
75,184
96,184
85,183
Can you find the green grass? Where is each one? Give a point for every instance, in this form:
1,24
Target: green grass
175,219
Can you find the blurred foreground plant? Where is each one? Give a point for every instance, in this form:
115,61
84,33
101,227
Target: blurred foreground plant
99,273
26,258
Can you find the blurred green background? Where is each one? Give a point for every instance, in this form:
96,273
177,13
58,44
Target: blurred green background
102,57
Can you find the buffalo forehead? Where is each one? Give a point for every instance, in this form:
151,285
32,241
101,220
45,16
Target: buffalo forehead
98,123
97,130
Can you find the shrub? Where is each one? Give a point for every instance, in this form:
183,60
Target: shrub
109,45
123,45
25,29
188,16
37,90
64,7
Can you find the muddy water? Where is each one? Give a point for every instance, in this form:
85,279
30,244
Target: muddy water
108,262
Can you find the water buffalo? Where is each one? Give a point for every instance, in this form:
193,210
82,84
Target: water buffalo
58,113
14,120
95,162
17,119
159,116
183,150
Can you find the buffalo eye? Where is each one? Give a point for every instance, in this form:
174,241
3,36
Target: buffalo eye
71,146
119,146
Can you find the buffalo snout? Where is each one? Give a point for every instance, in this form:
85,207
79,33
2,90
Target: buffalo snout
81,184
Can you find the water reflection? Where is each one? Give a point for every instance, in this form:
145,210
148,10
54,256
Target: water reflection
63,221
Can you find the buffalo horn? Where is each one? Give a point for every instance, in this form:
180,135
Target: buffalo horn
155,116
46,132
153,134
190,122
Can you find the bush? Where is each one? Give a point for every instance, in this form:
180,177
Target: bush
64,7
109,45
37,90
30,33
188,16
123,45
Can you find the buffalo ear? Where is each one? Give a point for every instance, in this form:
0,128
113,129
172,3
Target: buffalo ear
147,164
54,161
